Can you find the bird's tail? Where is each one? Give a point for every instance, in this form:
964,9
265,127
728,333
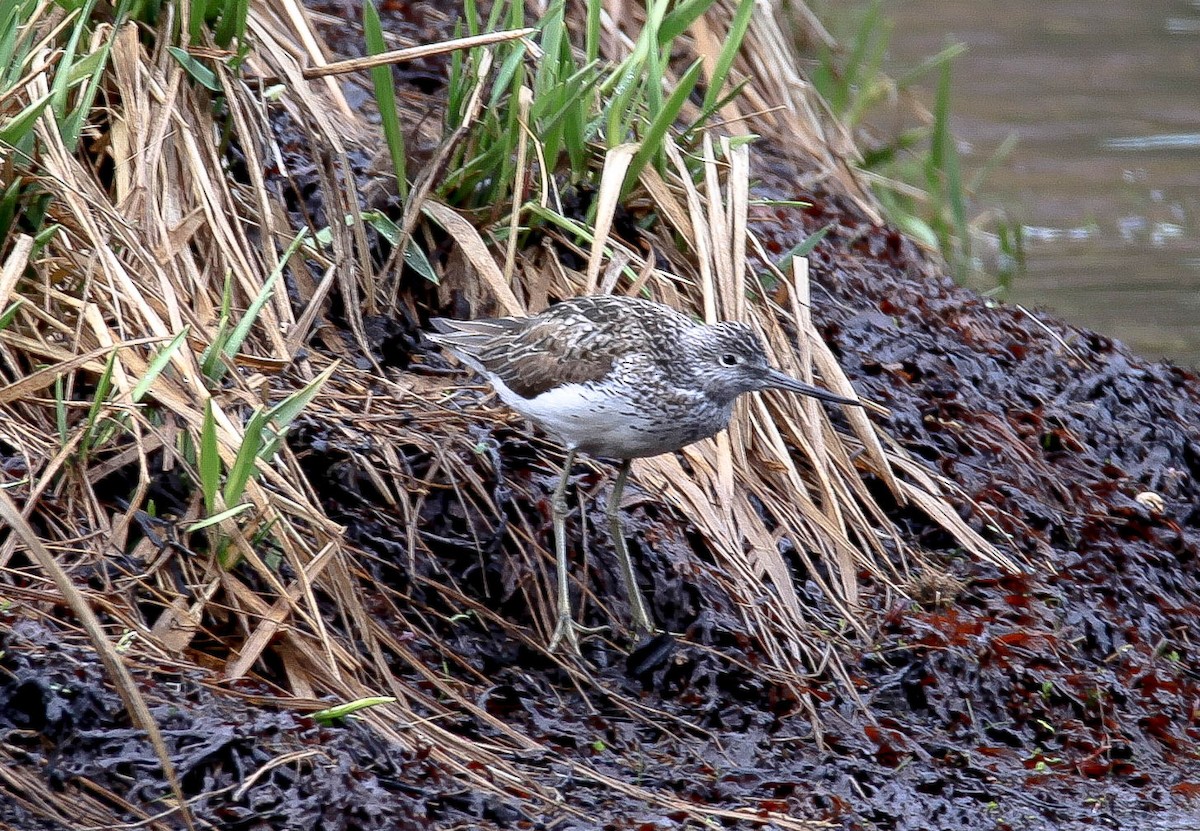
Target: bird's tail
468,339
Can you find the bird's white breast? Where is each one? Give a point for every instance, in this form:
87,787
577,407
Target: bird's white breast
598,420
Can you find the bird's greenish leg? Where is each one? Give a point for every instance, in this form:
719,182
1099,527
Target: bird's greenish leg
564,629
642,623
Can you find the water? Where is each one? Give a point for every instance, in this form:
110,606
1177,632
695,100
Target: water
1105,99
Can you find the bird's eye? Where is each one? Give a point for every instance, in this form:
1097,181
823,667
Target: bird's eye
730,359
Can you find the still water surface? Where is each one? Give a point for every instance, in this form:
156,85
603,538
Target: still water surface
1105,98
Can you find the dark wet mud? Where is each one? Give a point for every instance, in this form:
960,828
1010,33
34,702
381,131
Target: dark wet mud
1065,698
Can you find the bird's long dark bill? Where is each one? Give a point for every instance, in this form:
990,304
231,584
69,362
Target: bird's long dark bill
783,381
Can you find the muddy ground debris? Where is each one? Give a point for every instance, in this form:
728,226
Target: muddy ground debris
1064,698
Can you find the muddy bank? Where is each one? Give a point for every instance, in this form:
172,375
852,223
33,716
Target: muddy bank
1063,698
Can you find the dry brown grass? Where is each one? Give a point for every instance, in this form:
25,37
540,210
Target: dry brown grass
153,227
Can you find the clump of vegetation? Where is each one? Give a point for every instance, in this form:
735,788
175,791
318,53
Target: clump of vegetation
165,321
916,173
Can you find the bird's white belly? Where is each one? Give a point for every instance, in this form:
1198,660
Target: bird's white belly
602,423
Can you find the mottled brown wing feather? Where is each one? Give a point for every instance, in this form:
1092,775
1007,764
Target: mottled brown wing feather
545,355
576,341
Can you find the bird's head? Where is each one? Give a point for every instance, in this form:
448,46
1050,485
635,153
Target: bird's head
730,360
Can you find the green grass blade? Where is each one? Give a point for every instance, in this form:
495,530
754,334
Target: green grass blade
20,127
680,18
217,518
707,110
99,399
915,74
509,77
197,13
62,80
246,461
573,227
12,49
652,142
10,313
208,464
591,36
200,73
997,158
1011,236
916,228
414,255
471,15
210,361
415,258
332,715
72,122
284,413
385,97
11,202
497,14
458,88
43,237
158,365
804,247
620,109
737,33
566,111
655,57
550,83
856,63
258,445
86,67
232,23
60,409
502,184
944,156
242,330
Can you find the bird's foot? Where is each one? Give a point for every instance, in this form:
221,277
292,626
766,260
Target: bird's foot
641,624
566,632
